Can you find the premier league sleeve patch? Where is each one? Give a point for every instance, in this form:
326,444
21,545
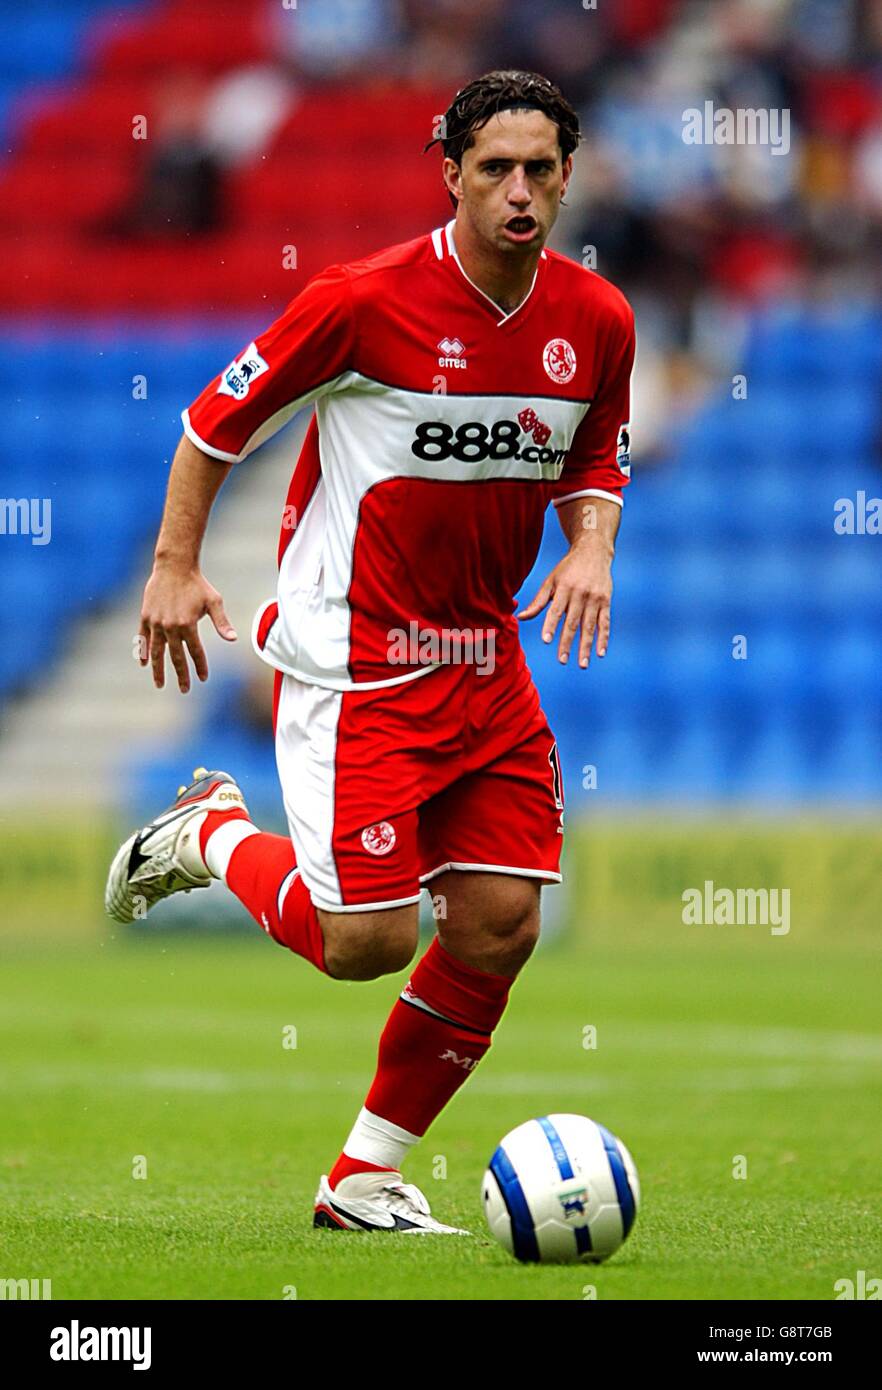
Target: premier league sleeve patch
623,450
236,380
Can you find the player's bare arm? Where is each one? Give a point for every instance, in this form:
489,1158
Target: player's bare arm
579,589
177,593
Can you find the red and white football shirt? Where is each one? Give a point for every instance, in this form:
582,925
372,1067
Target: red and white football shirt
443,426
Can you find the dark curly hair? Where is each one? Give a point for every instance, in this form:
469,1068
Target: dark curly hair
504,90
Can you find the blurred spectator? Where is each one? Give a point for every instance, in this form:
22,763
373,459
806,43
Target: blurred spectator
449,40
200,128
695,233
243,111
181,184
337,38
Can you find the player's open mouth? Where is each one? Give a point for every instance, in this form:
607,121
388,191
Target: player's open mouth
521,228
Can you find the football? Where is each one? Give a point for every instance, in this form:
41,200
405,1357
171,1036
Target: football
559,1189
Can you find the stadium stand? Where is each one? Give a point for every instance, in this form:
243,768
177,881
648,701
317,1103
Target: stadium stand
729,534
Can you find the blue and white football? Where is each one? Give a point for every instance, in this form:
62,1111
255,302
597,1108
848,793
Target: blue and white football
559,1189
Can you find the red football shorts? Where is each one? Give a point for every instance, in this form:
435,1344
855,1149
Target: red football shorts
384,789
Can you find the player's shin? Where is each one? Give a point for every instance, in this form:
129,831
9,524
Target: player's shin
439,1029
261,869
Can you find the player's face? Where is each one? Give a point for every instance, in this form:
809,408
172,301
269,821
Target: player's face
511,180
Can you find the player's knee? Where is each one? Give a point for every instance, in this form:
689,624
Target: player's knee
365,946
499,931
350,961
512,914
515,937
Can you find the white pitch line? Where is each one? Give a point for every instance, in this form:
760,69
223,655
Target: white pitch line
802,1044
195,1081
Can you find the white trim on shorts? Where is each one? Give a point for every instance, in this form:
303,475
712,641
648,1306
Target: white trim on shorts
364,907
494,869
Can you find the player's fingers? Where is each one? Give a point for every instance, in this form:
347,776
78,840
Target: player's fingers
144,642
197,651
539,602
589,623
178,659
603,625
157,656
221,622
570,628
555,612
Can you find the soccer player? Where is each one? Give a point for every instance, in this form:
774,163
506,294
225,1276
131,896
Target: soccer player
461,382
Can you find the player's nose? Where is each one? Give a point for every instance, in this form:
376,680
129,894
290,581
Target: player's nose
519,194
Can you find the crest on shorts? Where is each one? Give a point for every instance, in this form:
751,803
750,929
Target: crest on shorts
379,838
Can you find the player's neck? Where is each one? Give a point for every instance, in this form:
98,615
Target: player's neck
504,279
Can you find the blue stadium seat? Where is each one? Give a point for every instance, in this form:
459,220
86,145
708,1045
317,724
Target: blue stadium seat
733,536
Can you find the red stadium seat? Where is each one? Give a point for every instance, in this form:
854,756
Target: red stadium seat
46,191
208,36
381,118
301,196
91,116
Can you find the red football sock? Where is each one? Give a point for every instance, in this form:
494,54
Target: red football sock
346,1166
263,874
437,1032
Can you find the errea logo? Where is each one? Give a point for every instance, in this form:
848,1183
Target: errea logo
451,350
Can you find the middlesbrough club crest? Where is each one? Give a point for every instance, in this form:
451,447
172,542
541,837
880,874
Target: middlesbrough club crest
559,360
379,838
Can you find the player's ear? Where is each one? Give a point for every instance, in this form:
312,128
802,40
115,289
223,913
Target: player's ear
566,171
452,175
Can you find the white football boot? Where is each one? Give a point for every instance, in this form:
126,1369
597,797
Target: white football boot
377,1202
164,857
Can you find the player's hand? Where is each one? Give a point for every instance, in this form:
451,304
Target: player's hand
579,590
174,601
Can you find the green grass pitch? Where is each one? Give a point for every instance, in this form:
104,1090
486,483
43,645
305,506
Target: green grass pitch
710,1043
